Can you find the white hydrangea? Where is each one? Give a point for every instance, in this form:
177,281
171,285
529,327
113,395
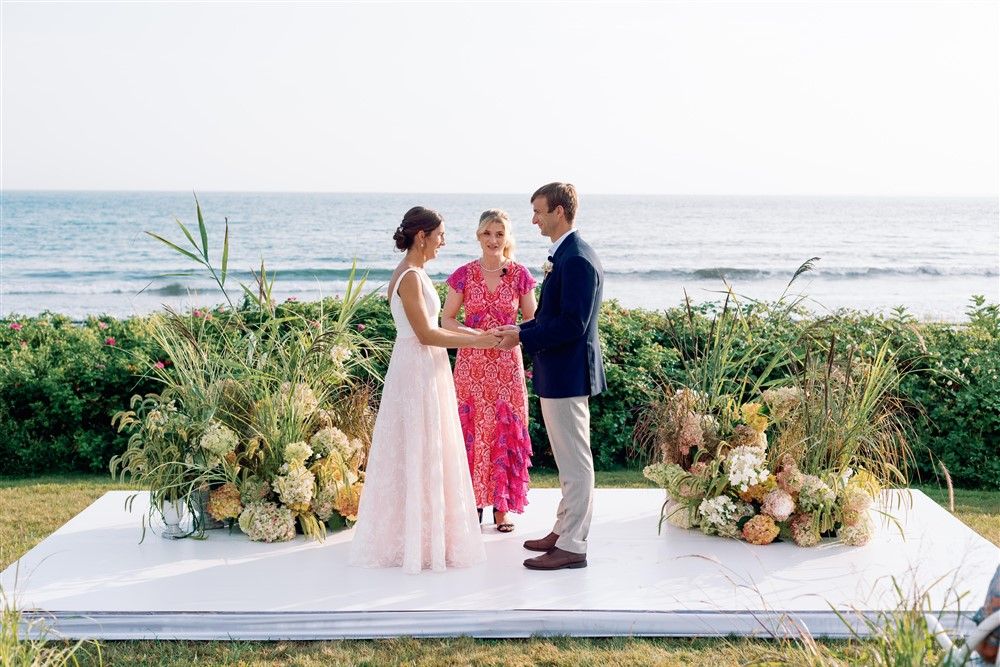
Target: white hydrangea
745,467
662,474
218,439
857,535
266,522
815,494
297,453
323,503
301,397
781,401
330,439
295,486
720,514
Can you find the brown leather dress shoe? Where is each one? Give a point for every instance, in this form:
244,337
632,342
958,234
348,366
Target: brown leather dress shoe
544,544
556,559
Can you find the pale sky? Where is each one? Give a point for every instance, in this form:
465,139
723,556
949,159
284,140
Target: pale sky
838,98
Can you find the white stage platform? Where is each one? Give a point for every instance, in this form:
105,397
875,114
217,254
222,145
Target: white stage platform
92,579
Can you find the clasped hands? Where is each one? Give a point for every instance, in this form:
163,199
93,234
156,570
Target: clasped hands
507,336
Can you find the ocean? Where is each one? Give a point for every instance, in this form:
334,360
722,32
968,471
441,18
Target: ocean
86,253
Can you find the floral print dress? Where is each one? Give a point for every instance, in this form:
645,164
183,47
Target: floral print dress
492,397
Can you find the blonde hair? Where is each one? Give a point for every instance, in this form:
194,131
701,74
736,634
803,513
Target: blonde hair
497,215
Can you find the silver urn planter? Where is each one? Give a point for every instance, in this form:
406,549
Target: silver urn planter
172,512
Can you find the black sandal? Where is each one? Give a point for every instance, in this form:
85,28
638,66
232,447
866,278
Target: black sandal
479,511
505,527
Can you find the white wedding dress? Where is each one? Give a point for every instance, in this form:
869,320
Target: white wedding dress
418,510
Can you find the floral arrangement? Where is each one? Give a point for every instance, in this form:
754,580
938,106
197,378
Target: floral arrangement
319,479
763,443
259,424
739,489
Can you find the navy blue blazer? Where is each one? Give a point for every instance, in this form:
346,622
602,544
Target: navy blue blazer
562,339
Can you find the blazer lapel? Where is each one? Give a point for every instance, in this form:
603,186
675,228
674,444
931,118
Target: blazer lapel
561,251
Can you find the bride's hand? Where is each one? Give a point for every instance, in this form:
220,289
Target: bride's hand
488,340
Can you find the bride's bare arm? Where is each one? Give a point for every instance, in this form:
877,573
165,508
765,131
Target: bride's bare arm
412,295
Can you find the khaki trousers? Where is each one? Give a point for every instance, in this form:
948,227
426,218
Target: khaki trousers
567,421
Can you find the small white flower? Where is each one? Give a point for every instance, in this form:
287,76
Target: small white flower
720,515
340,353
547,267
745,467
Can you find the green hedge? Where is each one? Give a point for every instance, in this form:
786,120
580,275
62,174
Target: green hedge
60,382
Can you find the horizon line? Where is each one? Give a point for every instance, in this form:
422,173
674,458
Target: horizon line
419,192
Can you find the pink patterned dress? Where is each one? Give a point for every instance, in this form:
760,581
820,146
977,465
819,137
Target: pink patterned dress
492,398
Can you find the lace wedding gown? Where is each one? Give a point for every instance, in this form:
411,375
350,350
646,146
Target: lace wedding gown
417,508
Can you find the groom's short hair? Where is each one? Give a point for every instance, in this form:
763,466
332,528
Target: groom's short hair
559,194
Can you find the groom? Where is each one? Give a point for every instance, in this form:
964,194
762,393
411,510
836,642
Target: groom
568,370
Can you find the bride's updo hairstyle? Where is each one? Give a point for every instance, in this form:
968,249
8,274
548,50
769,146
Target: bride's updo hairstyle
417,219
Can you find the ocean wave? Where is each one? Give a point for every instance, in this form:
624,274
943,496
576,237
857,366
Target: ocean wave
238,276
736,273
319,281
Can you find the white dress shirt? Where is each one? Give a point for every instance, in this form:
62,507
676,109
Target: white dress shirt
555,246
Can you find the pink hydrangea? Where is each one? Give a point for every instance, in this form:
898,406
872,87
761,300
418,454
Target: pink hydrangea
691,436
857,535
778,504
159,365
361,327
102,325
790,478
804,533
16,326
110,340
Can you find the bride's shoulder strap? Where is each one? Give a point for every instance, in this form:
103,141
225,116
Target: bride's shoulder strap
399,280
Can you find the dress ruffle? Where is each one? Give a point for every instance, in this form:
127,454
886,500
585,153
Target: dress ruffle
511,456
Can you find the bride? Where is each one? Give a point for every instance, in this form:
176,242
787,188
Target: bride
417,508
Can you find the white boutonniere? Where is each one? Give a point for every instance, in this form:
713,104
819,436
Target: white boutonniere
547,267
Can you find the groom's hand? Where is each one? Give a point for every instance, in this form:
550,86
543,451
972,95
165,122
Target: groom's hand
510,337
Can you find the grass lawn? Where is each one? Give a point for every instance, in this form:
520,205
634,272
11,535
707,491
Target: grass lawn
32,508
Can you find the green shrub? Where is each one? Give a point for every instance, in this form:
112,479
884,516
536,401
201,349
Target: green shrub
60,387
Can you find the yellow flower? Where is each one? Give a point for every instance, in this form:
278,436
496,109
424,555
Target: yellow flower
863,479
756,492
333,470
753,418
347,501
